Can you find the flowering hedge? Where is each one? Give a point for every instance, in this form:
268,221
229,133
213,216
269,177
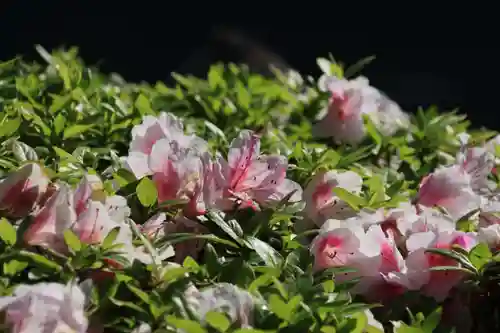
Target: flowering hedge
241,204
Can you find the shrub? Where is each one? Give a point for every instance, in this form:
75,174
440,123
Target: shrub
240,203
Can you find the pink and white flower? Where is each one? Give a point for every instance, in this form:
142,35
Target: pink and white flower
456,187
438,283
22,189
165,127
322,203
180,174
349,101
249,179
45,307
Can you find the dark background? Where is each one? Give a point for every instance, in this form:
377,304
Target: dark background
421,59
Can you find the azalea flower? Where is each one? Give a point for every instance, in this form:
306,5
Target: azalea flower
391,278
155,226
349,101
49,223
395,223
22,189
165,127
236,303
97,215
322,203
179,174
437,283
490,235
248,178
346,247
89,214
45,307
456,187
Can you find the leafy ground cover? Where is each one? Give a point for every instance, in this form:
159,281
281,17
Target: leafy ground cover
239,203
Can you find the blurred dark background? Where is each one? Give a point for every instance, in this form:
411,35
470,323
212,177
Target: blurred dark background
421,59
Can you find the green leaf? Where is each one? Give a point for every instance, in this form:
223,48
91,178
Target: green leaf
251,330
480,255
13,267
226,227
126,304
143,105
214,129
146,192
265,251
64,155
376,186
72,240
109,240
76,130
40,260
124,177
330,68
191,264
218,321
139,293
400,327
432,320
216,76
356,202
23,152
58,102
59,123
373,132
358,66
355,324
9,126
279,307
186,325
8,233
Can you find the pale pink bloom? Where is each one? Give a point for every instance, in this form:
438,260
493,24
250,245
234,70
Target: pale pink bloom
248,178
91,188
478,163
22,189
349,101
96,214
389,117
436,284
45,307
455,187
94,223
234,302
394,223
142,328
490,235
346,247
491,144
155,226
50,222
428,219
322,203
179,175
390,278
165,127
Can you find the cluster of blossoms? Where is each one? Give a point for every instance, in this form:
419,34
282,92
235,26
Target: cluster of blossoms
387,247
183,169
54,307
